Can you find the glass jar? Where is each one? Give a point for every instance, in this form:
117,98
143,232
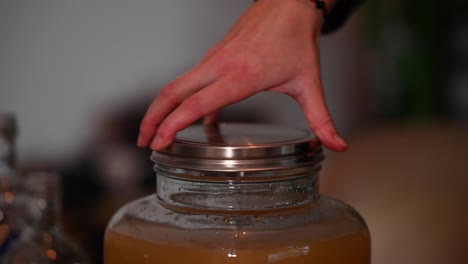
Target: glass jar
43,242
238,193
12,198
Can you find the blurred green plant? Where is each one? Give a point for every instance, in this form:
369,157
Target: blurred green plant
406,36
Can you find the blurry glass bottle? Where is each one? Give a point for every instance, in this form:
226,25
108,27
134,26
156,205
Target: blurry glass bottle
10,191
44,242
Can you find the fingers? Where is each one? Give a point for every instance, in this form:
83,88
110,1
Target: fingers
170,97
221,93
316,111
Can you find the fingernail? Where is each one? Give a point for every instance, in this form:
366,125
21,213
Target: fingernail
159,143
156,142
340,140
140,142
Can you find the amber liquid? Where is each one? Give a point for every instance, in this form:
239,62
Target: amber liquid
349,249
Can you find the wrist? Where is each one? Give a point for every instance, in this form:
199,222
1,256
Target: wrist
323,5
342,10
314,10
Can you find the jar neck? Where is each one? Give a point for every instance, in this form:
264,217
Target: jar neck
193,191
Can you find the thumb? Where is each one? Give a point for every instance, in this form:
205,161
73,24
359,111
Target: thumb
316,111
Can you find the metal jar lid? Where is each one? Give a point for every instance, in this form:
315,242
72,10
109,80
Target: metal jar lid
233,147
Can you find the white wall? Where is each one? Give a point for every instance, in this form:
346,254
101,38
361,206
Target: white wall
60,60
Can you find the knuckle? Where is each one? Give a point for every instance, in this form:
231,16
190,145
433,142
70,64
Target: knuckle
167,94
247,70
239,65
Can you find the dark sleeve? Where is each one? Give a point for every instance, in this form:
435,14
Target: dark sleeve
339,14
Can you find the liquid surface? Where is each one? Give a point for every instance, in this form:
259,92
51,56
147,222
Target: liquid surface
349,249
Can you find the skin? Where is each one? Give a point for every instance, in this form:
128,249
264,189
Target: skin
274,46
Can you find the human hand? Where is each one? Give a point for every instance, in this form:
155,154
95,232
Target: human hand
274,46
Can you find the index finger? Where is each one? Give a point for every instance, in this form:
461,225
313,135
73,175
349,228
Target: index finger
169,98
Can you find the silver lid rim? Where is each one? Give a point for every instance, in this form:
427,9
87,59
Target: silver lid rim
267,148
223,165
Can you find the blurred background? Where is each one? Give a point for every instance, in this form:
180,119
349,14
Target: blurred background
79,76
